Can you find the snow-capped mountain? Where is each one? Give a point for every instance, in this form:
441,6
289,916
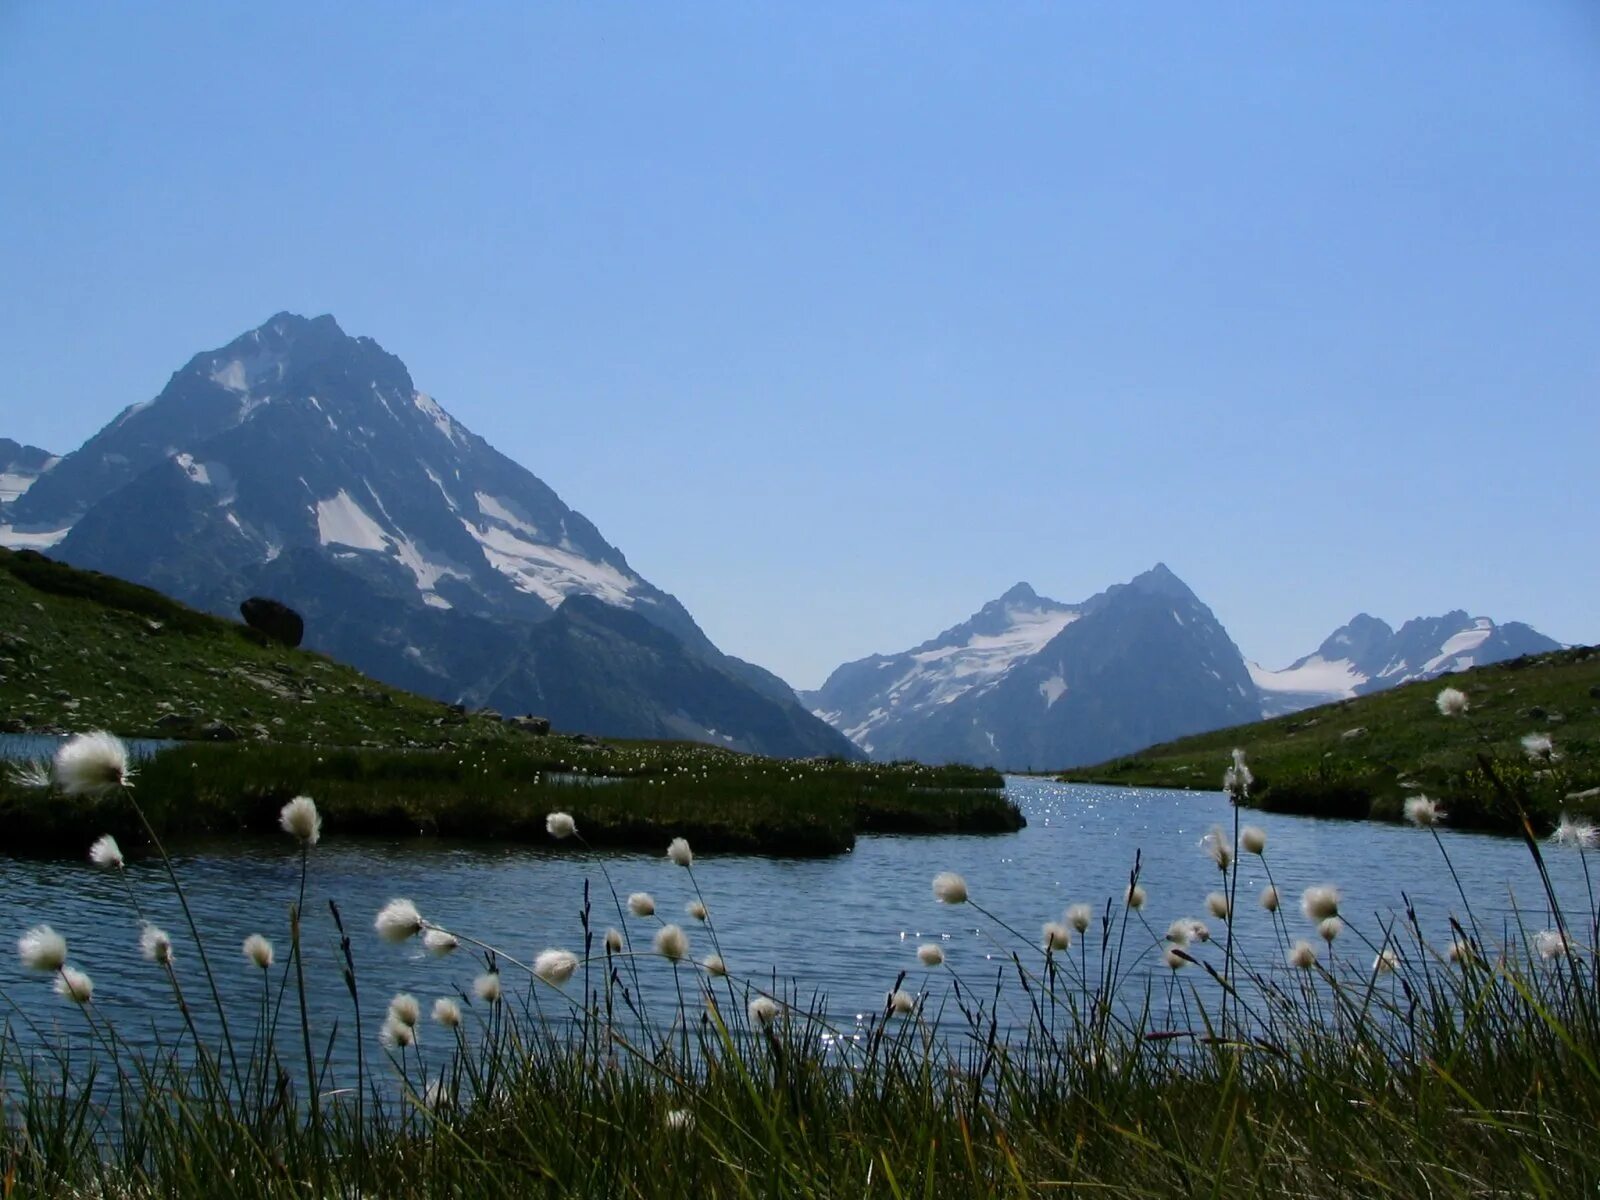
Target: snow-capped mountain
1029,681
301,463
1367,655
20,466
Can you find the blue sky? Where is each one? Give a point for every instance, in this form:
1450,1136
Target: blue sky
840,319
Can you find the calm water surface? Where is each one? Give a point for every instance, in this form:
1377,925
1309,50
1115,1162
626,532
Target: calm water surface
843,927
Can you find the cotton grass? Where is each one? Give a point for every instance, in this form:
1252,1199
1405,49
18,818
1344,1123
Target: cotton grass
92,764
949,888
42,949
106,853
555,967
299,818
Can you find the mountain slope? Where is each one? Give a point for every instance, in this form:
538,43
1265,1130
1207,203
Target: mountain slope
1029,681
1367,655
302,463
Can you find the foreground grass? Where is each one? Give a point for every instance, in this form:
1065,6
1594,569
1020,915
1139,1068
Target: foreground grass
624,794
1363,757
1392,1060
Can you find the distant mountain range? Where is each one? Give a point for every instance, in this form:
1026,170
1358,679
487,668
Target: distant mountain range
1031,682
1367,655
301,463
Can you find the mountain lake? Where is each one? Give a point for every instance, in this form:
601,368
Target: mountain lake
836,931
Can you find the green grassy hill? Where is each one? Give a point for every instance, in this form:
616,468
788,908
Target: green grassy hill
1363,757
81,650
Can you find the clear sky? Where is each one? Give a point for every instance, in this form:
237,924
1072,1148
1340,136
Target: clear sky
840,319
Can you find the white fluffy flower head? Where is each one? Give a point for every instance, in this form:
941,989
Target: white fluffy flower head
439,942
32,774
678,851
398,920
1422,811
714,965
1572,832
1270,898
42,949
487,987
555,967
642,904
1320,902
763,1011
91,764
447,1012
1056,936
613,941
1551,943
1175,958
258,950
1254,839
901,1002
1329,928
1136,896
949,888
1452,702
560,825
1217,904
1078,917
405,1009
396,1034
930,954
1303,955
672,942
1539,748
72,984
300,819
105,852
1387,961
1217,848
695,909
155,945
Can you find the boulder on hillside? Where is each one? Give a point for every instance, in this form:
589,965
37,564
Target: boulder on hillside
275,619
538,726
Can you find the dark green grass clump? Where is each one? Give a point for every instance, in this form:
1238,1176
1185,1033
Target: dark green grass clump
633,794
1362,758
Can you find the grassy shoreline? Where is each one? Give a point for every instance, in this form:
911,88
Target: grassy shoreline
623,794
1363,758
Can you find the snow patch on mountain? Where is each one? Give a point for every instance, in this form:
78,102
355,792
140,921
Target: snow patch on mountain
966,662
1314,676
343,522
31,539
1457,647
1053,689
442,421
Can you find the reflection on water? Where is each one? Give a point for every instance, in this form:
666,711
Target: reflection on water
843,928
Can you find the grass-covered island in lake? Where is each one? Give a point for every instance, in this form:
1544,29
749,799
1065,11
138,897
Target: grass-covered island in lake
1532,726
80,650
